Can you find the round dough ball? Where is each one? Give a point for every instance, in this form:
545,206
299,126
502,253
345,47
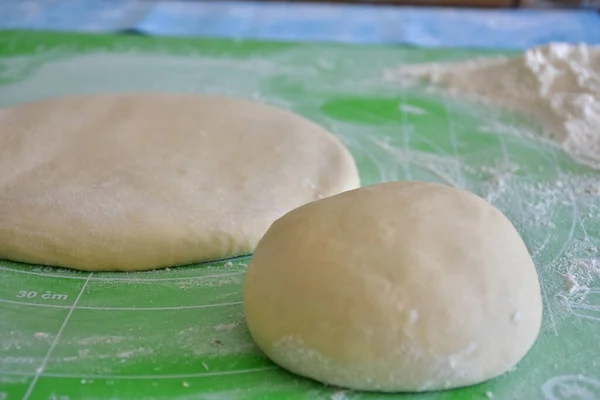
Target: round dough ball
140,181
402,286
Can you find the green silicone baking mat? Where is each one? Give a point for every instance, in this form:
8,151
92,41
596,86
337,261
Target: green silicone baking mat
179,333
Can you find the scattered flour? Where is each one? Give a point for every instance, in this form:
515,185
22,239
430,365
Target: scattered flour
339,395
226,327
407,108
559,84
446,368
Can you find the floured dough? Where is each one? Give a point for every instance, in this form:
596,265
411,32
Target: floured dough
141,181
403,286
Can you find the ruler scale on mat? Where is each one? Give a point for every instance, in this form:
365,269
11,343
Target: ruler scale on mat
180,333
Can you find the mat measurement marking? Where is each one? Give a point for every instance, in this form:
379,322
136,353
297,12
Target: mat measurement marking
459,179
405,140
26,294
117,279
20,360
121,308
141,377
41,368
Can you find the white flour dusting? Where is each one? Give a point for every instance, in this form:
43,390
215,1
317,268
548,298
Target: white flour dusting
123,72
559,84
339,395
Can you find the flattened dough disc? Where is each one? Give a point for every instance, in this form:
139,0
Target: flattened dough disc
141,181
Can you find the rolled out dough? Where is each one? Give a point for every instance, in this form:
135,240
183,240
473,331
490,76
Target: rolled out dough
404,286
140,181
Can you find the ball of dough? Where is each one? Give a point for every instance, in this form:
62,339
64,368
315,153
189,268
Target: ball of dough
404,286
141,181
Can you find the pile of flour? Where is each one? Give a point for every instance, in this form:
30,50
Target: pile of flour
559,84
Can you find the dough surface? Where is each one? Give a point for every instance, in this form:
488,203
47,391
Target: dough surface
404,286
141,181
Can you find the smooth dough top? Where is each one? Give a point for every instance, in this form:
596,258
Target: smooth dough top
404,286
142,181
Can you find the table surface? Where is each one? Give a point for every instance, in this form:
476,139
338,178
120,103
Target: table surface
425,27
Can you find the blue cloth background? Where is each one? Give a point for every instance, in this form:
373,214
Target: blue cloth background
438,27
